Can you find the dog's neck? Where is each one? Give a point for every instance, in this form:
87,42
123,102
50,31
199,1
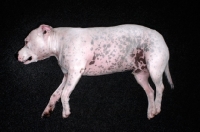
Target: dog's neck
53,44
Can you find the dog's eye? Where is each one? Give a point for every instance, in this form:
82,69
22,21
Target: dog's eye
26,43
45,32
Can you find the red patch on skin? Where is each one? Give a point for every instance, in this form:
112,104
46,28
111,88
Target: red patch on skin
139,60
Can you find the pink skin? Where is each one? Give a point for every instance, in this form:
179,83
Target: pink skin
99,51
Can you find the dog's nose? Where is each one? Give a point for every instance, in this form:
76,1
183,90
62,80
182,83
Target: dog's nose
16,56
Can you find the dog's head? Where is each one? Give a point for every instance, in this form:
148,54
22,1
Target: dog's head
36,45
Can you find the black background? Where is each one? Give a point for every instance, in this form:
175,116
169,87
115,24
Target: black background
103,103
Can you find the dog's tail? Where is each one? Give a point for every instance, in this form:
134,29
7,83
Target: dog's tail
168,75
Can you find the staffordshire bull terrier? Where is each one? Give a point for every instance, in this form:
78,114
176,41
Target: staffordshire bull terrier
99,51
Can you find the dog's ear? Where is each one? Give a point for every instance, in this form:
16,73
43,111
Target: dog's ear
45,28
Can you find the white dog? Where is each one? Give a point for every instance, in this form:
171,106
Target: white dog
98,51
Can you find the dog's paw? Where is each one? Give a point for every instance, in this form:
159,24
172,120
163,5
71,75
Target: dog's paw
151,112
66,113
47,111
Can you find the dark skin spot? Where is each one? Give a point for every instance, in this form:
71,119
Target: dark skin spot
137,71
139,57
144,67
139,61
132,55
146,49
93,60
92,42
143,60
82,70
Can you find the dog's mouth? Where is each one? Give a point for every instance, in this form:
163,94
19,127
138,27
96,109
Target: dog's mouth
27,60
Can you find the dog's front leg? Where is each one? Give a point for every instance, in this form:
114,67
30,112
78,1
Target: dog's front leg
73,77
54,98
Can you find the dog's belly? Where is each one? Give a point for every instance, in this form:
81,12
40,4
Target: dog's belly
101,64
